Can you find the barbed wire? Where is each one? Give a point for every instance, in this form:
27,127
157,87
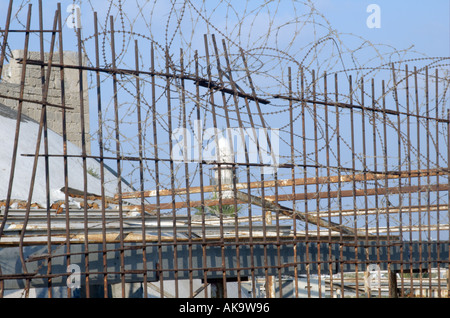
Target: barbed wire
273,35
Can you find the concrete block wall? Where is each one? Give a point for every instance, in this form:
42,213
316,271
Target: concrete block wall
10,86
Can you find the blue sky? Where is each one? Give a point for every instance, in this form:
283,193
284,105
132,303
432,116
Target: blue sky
424,24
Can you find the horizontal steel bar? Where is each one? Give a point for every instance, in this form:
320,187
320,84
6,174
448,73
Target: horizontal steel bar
33,101
206,162
31,31
345,105
201,81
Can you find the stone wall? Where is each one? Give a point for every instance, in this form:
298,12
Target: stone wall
10,86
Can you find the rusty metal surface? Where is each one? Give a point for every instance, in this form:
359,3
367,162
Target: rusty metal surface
357,180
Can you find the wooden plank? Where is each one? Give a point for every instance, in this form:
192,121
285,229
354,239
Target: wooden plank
272,206
286,182
268,206
391,210
297,196
360,192
183,204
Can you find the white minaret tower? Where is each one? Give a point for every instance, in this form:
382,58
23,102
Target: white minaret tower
225,155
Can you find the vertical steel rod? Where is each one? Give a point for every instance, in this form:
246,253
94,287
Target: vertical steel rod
118,155
141,167
5,37
18,121
101,154
64,136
